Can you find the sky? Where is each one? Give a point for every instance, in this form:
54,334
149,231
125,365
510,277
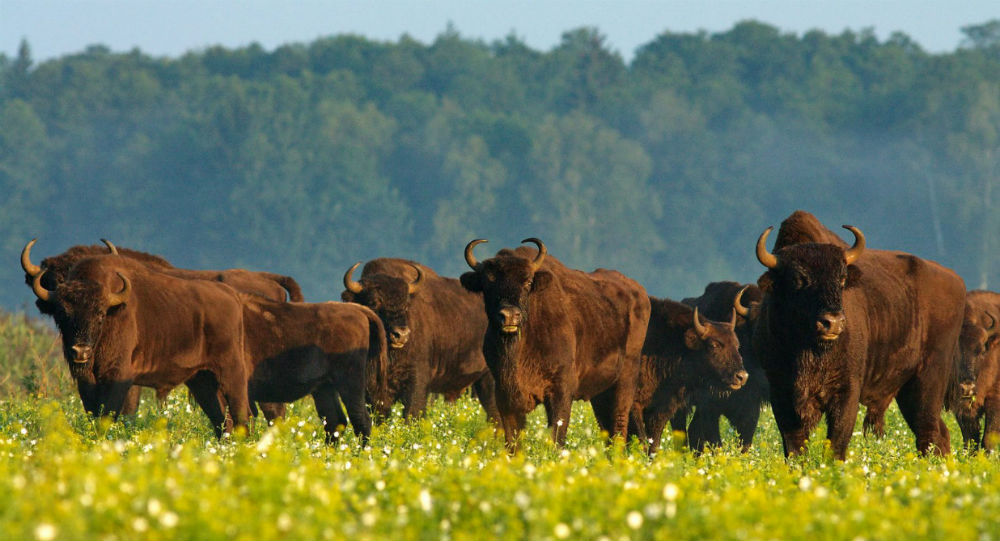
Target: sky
173,27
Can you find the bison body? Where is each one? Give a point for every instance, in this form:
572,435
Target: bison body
681,356
975,394
842,327
740,407
435,330
555,335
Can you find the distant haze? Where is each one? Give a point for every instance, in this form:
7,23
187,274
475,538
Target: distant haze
170,28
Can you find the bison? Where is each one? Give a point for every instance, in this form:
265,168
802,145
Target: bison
327,350
269,285
976,390
555,335
740,407
681,355
839,327
123,324
435,330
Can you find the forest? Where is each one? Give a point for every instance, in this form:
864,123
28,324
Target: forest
307,158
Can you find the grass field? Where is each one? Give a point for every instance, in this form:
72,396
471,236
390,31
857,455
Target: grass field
162,475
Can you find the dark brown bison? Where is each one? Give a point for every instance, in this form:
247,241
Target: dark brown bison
555,335
435,330
333,351
682,354
56,268
740,407
976,391
839,327
123,324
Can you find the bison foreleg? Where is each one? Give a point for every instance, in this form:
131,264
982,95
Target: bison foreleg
840,420
991,432
486,393
969,425
204,389
557,408
330,412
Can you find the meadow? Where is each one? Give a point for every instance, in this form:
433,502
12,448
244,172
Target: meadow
162,475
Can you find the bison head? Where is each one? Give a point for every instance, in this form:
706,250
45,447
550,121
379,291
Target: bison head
387,296
716,352
84,302
977,346
506,282
56,268
805,284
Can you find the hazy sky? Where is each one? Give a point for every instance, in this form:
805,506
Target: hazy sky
171,27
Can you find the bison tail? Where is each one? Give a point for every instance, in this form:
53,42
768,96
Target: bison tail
377,368
290,285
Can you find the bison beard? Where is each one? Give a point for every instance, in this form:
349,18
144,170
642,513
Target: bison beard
841,327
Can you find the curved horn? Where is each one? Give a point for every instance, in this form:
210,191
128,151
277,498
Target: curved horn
26,264
854,252
111,247
469,258
993,322
541,252
766,258
698,327
115,299
351,285
415,284
44,294
738,304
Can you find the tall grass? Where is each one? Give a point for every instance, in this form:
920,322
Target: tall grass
31,358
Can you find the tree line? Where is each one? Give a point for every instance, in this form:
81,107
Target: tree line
309,157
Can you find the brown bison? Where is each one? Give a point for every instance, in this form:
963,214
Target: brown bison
266,284
841,326
435,330
555,335
740,407
976,393
123,324
681,355
327,350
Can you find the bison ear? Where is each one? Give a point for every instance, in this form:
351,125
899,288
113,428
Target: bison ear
347,296
470,281
765,282
691,339
540,281
992,341
854,275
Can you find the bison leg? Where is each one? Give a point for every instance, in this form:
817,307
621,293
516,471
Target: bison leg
204,389
656,421
485,390
131,403
920,401
557,408
679,422
233,385
744,418
513,424
704,428
330,411
875,418
969,425
88,395
991,432
793,427
637,428
840,421
415,399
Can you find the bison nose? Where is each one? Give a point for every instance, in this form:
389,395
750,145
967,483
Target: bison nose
82,354
398,336
510,319
968,389
739,379
829,325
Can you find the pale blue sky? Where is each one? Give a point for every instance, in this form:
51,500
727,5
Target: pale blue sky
171,27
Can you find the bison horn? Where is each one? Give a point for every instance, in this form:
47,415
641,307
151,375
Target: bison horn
115,299
351,285
766,258
111,247
26,264
698,327
993,322
415,284
44,294
469,258
854,252
738,305
541,252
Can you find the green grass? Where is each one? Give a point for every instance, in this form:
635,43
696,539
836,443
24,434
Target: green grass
162,475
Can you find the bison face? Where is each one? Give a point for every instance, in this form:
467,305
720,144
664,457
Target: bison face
83,309
387,296
716,352
977,345
806,285
506,282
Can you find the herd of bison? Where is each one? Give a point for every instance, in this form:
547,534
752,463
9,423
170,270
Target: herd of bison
827,327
